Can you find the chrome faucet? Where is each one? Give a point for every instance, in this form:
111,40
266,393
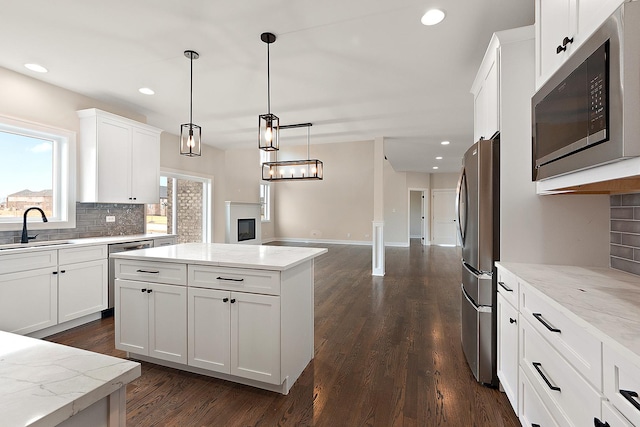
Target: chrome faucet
25,235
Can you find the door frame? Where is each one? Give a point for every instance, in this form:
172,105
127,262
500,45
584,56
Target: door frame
443,190
426,223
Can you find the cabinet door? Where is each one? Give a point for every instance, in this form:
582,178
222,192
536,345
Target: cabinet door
480,115
114,161
145,166
168,322
508,350
82,289
492,99
209,329
555,20
132,316
28,301
255,337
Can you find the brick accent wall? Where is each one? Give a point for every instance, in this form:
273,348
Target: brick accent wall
91,222
189,210
625,233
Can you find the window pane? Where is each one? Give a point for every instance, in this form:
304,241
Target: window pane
26,175
157,213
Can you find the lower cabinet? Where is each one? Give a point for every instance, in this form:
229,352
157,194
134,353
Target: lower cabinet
235,333
82,289
532,410
28,300
151,319
507,352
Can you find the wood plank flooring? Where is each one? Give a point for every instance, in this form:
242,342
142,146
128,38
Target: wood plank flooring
387,353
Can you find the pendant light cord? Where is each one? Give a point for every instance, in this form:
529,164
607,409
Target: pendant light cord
191,94
308,143
268,82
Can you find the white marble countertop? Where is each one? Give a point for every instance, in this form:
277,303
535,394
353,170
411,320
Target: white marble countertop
602,300
43,383
227,255
44,245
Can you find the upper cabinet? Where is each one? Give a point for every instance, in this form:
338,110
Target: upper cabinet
119,159
486,96
562,26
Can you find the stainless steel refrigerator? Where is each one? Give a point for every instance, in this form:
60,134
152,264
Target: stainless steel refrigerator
478,213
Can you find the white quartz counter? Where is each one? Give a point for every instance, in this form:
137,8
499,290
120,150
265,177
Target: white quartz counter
43,245
603,300
43,383
227,255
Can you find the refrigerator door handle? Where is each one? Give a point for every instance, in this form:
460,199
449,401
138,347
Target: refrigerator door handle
461,181
479,308
479,274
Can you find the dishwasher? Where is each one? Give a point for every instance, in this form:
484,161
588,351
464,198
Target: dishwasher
114,249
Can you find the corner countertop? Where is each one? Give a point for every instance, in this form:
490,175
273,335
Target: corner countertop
603,300
43,383
44,245
227,255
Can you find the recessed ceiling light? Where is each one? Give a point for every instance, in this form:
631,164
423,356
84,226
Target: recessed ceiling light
435,167
445,143
432,17
36,67
146,91
439,158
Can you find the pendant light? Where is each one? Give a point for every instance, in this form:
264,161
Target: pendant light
309,169
268,124
190,133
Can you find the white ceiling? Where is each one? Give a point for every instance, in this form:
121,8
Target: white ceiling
356,69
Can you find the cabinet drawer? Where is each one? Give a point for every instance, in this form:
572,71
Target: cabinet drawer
622,384
82,254
532,410
508,287
563,390
579,347
25,261
150,271
164,241
611,416
235,279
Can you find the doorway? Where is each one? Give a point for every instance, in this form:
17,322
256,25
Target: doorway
418,217
443,218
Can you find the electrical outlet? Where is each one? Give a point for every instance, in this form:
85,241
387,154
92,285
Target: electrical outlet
111,218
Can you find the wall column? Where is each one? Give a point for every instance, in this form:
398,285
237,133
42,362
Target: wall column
377,260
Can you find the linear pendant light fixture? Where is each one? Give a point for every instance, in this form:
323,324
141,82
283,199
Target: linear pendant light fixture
190,133
268,124
309,169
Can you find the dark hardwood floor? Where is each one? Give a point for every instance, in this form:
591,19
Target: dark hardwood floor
387,353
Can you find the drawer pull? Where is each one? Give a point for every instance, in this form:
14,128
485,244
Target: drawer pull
535,425
229,280
148,271
505,287
598,423
512,320
546,325
629,396
225,299
233,300
537,365
143,290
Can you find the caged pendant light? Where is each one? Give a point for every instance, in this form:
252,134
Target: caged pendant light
309,169
190,133
268,124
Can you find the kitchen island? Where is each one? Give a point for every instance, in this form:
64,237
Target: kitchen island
48,384
242,313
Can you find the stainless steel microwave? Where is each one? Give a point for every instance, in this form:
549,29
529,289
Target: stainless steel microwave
588,113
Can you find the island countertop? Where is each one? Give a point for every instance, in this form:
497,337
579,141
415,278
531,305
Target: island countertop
263,257
43,383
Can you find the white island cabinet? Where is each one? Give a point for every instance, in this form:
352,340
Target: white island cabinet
242,313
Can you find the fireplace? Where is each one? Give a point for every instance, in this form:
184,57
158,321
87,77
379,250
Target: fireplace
243,223
246,229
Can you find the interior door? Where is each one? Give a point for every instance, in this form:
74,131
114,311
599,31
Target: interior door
443,217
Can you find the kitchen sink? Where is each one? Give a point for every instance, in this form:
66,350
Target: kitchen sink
35,244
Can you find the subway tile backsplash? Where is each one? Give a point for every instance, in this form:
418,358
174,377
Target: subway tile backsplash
625,233
91,222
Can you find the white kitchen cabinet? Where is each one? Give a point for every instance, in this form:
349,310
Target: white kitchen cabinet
562,26
119,159
486,94
82,289
151,319
235,333
163,241
507,351
28,300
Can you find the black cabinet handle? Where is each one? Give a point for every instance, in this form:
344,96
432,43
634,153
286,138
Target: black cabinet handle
535,425
143,290
149,291
505,287
225,299
229,280
598,423
512,320
629,396
63,271
546,325
560,49
135,198
55,272
537,365
567,41
233,300
148,271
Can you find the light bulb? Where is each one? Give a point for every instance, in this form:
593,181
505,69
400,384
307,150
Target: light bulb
190,142
268,134
313,170
271,172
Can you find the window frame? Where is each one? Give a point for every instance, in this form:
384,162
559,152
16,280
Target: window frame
266,202
64,173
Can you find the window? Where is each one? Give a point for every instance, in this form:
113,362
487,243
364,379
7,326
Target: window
265,202
38,168
183,209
